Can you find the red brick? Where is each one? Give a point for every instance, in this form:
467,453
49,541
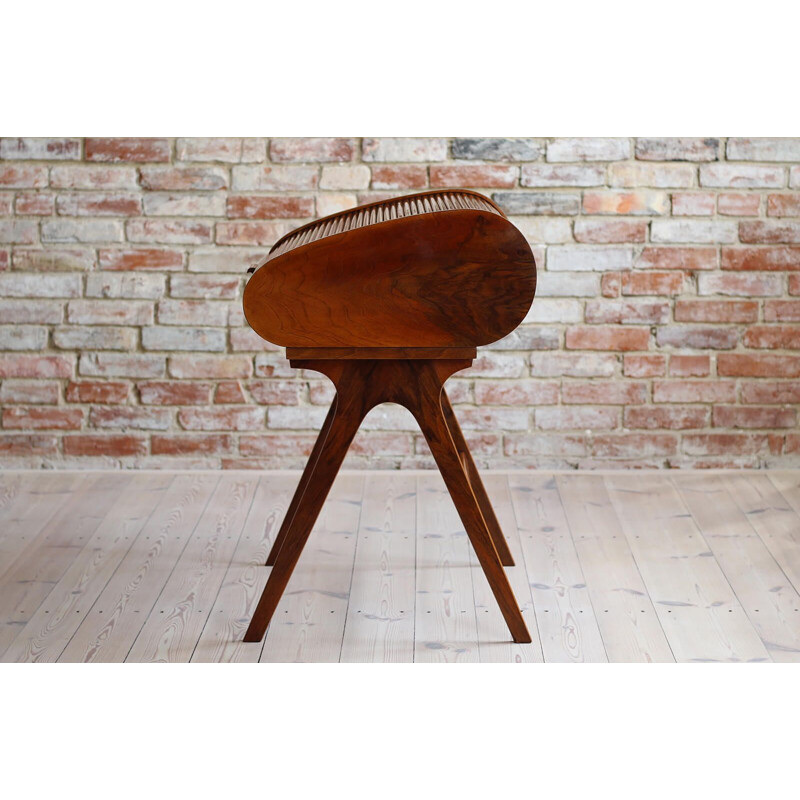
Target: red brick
600,338
174,393
627,311
783,205
191,444
25,444
782,310
761,258
261,207
32,417
739,205
247,340
771,392
92,204
659,283
30,366
693,204
636,365
229,392
222,419
110,312
311,149
792,443
754,417
192,312
7,204
168,179
714,391
34,204
716,311
29,392
689,366
794,285
23,177
610,284
670,417
97,392
605,231
105,445
760,365
644,201
537,444
140,258
378,443
685,258
175,231
281,444
274,392
770,232
231,150
399,176
697,338
130,417
136,150
92,177
196,366
206,287
467,175
250,233
604,393
632,445
726,444
516,393
773,337
740,285
576,417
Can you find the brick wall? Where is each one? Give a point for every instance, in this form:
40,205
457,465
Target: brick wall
664,333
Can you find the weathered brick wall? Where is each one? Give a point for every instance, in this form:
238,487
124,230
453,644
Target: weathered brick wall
664,333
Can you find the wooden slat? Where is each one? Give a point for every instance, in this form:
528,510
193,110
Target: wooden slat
380,614
52,626
625,615
445,619
308,624
773,518
179,615
766,594
114,621
40,566
567,625
494,641
221,639
29,508
700,615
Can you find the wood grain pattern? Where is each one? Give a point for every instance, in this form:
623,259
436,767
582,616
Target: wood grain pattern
309,620
493,644
31,577
380,613
174,625
713,554
454,278
446,628
773,518
108,631
567,625
628,623
221,639
53,624
698,610
766,594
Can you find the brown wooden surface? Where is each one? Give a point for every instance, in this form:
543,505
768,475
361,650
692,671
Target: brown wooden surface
456,278
360,386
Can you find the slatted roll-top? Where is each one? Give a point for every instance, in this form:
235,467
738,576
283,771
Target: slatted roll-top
439,269
382,211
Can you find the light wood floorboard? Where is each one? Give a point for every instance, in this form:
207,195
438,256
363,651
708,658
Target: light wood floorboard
624,567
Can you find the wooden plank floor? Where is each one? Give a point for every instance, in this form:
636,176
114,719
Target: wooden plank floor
619,567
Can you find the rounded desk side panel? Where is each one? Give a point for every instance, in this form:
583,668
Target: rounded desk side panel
447,279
